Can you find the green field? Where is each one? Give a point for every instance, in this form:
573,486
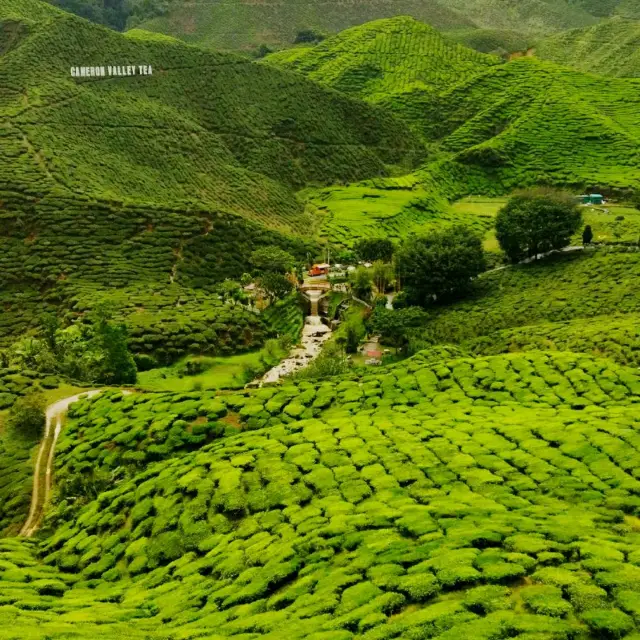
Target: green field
396,210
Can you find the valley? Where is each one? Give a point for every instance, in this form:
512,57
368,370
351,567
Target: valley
319,321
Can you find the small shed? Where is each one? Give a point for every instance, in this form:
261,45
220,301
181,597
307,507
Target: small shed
591,198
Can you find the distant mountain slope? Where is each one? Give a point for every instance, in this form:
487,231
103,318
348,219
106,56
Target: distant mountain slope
493,41
532,122
243,24
609,48
383,57
495,126
392,62
159,185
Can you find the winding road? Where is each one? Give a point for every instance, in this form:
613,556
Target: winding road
43,475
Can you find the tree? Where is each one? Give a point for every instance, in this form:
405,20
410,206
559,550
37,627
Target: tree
232,291
382,275
27,416
309,36
587,235
272,260
372,249
361,283
393,326
118,365
537,221
275,286
440,266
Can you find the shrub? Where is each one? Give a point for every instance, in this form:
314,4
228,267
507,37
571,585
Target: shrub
27,417
608,623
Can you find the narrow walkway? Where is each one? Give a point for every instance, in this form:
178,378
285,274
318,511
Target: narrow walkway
43,477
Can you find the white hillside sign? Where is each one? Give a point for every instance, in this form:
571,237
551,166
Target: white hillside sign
112,71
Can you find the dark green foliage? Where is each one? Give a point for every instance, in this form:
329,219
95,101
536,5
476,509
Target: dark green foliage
587,235
27,416
394,326
272,259
537,221
275,286
361,283
309,36
440,266
372,249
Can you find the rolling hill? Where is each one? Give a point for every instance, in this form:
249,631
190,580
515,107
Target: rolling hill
238,24
609,48
159,185
492,126
382,60
488,498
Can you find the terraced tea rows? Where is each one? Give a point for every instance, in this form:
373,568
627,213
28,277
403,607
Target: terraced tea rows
475,510
608,48
617,338
97,193
135,431
237,25
561,289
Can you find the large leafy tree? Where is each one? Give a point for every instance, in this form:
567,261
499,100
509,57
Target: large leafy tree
440,266
372,249
275,286
393,326
537,221
272,260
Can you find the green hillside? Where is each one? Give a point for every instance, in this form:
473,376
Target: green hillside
487,498
382,60
494,127
530,122
238,24
160,185
609,48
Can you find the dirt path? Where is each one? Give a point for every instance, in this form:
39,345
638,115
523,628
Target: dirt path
42,475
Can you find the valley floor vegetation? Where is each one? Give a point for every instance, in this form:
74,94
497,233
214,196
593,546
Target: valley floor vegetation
156,238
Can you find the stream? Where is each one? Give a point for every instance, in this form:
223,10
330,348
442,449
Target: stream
314,335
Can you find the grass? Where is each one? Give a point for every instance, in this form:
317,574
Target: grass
220,373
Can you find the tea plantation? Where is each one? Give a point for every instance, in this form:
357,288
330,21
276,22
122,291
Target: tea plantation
589,284
490,498
487,487
608,48
146,191
496,127
240,25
